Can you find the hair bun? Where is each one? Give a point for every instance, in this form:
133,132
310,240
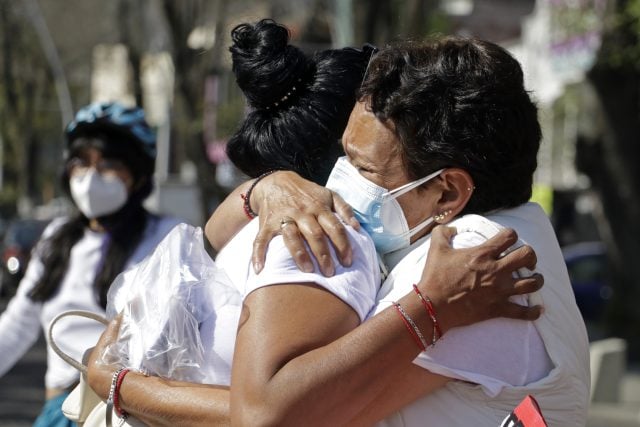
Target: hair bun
266,66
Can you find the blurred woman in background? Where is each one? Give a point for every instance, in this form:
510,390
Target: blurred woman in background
109,164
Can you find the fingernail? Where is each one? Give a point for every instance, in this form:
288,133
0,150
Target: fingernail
348,259
307,267
329,271
257,267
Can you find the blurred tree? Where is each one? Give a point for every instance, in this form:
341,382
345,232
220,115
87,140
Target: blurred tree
166,25
26,117
386,20
610,160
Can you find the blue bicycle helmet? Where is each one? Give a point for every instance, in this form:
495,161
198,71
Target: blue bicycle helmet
117,117
118,131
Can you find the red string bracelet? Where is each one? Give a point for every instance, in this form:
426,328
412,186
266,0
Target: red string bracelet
411,327
116,393
246,197
428,305
246,207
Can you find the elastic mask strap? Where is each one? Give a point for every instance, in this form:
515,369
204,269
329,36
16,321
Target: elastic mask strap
420,227
411,185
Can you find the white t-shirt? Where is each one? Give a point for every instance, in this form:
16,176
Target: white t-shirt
356,285
500,361
491,362
22,321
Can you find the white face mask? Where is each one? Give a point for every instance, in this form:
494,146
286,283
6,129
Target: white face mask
375,207
97,195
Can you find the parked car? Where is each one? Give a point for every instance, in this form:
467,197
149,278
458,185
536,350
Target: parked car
20,237
588,270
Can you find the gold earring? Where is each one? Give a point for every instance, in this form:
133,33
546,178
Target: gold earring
442,216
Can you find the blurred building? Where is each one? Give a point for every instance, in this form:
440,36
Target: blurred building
556,42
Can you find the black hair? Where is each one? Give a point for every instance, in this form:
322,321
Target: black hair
457,102
114,143
125,227
299,104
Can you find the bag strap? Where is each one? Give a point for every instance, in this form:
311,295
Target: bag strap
81,313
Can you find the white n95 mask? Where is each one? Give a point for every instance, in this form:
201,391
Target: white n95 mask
97,195
375,207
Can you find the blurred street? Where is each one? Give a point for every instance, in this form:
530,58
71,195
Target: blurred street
22,388
626,413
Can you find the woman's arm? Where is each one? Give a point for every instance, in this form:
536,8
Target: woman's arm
227,219
20,322
407,386
19,328
157,401
288,371
279,365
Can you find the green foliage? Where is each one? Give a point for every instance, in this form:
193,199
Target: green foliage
229,115
438,23
621,45
29,121
632,11
8,197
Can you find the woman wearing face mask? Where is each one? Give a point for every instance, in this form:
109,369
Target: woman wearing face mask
109,164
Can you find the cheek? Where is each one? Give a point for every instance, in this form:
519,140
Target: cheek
417,206
125,177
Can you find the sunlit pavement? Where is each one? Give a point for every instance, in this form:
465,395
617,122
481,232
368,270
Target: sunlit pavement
623,414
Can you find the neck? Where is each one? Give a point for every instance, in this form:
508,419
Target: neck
423,229
95,225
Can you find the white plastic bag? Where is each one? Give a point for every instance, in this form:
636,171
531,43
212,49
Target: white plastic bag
163,301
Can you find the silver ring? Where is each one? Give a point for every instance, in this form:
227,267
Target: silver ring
286,221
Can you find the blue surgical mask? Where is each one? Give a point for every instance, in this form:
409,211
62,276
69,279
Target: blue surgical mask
375,207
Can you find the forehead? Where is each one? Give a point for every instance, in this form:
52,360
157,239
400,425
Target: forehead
366,135
87,152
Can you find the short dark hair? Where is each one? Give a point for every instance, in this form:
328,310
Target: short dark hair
300,104
458,102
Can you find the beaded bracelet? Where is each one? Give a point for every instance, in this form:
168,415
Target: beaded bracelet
428,305
411,326
112,394
246,202
116,394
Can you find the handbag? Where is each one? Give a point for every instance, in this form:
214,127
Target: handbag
83,405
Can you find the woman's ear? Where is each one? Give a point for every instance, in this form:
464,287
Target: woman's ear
139,184
457,188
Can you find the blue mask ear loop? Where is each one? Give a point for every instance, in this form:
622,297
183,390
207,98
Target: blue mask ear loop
408,187
420,227
397,192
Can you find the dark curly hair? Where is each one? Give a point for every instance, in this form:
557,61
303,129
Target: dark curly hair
457,102
300,104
